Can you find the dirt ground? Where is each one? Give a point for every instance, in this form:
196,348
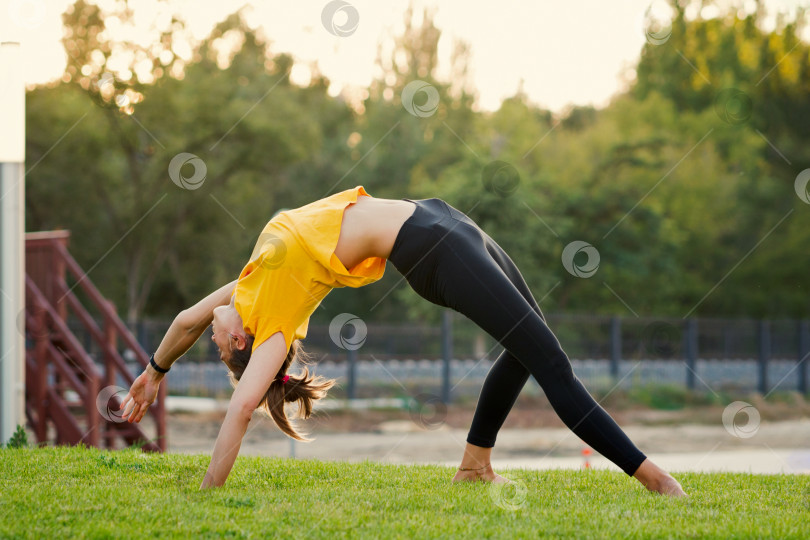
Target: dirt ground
534,437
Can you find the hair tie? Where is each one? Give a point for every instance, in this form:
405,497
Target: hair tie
285,379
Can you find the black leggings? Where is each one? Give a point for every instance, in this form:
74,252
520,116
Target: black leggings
450,261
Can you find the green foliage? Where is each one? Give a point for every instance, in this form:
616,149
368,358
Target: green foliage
73,492
19,439
675,182
668,397
111,462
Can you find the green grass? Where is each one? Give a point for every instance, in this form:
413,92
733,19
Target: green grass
84,492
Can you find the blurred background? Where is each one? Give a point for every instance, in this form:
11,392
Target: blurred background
644,164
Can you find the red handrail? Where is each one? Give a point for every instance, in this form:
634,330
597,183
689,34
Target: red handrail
101,303
98,335
67,426
78,354
157,410
51,309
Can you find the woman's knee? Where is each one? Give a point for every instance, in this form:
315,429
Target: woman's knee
540,352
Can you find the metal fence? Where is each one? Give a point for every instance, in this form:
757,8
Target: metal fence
450,360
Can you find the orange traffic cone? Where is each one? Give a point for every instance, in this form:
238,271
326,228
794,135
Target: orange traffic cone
586,452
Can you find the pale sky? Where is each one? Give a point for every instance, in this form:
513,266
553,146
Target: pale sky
566,52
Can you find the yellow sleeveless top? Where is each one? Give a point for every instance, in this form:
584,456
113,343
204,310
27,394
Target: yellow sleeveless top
294,266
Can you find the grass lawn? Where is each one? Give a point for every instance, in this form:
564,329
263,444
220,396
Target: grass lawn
59,492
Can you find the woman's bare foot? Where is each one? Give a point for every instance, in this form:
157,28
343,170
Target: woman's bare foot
476,459
479,475
656,479
669,486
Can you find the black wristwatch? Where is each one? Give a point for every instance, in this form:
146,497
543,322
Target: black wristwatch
155,366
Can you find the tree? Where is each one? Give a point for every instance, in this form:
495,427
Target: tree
136,222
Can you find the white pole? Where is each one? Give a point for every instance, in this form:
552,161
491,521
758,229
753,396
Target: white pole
12,229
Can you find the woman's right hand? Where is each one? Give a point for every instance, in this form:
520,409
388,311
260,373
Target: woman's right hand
142,394
184,331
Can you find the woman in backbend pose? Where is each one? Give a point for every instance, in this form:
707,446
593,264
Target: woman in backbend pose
345,240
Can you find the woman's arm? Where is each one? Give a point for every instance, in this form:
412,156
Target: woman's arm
263,367
189,325
184,331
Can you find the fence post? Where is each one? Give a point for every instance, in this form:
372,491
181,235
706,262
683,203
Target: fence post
691,349
140,334
615,347
804,352
12,236
447,353
764,354
351,361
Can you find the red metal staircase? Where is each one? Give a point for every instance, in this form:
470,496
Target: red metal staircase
74,370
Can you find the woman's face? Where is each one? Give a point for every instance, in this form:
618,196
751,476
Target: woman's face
227,329
221,336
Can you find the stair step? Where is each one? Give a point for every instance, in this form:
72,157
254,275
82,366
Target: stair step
77,350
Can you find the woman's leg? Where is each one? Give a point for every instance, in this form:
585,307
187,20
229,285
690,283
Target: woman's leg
415,254
474,284
508,376
452,263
